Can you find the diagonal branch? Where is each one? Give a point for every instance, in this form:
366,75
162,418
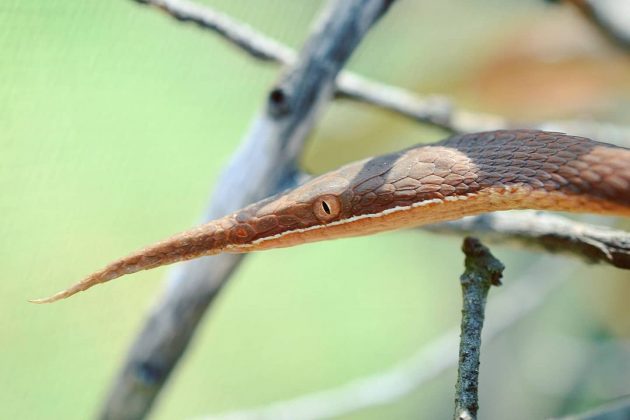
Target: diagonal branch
548,232
435,110
264,164
237,33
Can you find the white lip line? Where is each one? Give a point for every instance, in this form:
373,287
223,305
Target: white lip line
351,219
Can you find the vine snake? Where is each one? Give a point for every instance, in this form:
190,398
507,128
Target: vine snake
462,175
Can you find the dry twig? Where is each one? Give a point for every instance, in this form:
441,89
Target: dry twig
435,110
483,270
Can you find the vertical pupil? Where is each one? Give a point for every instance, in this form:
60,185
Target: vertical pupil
326,207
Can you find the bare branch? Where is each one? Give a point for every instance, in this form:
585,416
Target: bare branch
513,303
240,34
435,110
548,232
483,270
611,17
264,164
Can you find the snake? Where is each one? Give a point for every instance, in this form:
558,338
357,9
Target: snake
463,175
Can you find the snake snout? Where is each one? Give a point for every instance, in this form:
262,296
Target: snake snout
211,238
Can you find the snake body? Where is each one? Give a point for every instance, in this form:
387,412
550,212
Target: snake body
462,175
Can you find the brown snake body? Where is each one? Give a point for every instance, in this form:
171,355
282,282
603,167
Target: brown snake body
462,175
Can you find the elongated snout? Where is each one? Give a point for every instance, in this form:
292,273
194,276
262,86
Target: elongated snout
460,176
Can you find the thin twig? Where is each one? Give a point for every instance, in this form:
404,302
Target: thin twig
264,164
237,33
546,231
483,270
518,299
436,110
433,109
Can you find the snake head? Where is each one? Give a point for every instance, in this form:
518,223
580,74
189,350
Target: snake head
277,221
270,223
327,207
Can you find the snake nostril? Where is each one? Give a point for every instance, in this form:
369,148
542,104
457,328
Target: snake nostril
241,233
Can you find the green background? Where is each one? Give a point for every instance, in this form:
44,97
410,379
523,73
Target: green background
115,122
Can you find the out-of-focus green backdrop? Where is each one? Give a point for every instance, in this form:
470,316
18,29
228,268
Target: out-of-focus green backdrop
115,122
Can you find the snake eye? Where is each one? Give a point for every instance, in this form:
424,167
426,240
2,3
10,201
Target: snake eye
326,207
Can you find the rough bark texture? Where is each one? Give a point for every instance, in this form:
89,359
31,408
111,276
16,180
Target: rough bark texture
483,270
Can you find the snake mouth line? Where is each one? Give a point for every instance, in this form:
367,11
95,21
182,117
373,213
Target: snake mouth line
259,244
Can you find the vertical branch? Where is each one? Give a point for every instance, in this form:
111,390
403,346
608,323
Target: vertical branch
264,164
482,271
519,299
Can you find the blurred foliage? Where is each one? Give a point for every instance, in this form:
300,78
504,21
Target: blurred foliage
115,122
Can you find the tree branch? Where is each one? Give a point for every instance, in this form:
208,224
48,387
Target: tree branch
611,17
264,164
237,33
549,232
483,270
434,110
514,302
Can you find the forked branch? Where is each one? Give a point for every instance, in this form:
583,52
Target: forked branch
435,110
